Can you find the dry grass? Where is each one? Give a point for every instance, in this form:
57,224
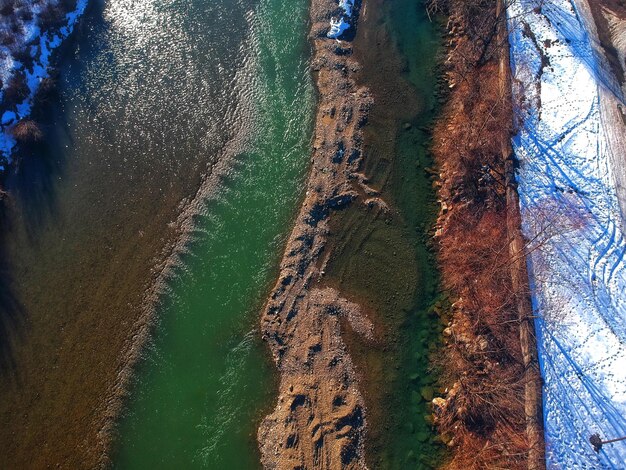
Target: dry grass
482,368
68,5
16,90
45,93
7,7
52,16
27,132
7,38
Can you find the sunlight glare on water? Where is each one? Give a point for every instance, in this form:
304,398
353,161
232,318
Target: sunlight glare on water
207,380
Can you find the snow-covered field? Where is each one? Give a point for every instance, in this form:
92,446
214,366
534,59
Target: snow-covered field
571,215
21,30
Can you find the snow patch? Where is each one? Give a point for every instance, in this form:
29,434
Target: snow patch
572,217
339,25
347,6
41,53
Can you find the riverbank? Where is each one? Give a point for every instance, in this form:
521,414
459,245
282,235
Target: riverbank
491,408
320,416
385,259
32,32
351,333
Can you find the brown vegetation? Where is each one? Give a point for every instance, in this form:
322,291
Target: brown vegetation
7,7
320,417
52,16
45,93
16,90
68,5
27,131
483,415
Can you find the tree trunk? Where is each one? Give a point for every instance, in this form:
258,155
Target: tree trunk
519,271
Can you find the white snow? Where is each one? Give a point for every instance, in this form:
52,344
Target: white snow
339,25
41,52
571,217
347,6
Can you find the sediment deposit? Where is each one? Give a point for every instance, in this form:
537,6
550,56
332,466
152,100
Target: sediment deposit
319,420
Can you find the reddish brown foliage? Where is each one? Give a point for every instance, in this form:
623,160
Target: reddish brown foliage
68,5
483,413
16,90
7,38
27,132
52,16
7,7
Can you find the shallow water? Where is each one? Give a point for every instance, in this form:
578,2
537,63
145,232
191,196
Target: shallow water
151,94
201,391
384,261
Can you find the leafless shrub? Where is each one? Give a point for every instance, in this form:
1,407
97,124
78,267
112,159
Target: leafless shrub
7,38
7,7
25,14
67,5
16,90
438,7
27,132
16,27
22,54
46,90
52,16
483,413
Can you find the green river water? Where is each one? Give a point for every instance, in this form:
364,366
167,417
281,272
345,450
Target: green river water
206,378
151,94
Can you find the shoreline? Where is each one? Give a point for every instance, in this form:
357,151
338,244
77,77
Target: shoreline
163,273
351,205
514,424
320,418
17,113
488,357
386,258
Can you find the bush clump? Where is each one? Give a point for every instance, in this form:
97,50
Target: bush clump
27,131
7,7
482,416
16,90
52,16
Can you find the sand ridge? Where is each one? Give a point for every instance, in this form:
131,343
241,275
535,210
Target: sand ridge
320,419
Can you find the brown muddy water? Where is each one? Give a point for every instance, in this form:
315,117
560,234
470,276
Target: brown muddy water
150,93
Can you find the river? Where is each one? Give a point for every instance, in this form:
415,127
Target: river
151,95
181,132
